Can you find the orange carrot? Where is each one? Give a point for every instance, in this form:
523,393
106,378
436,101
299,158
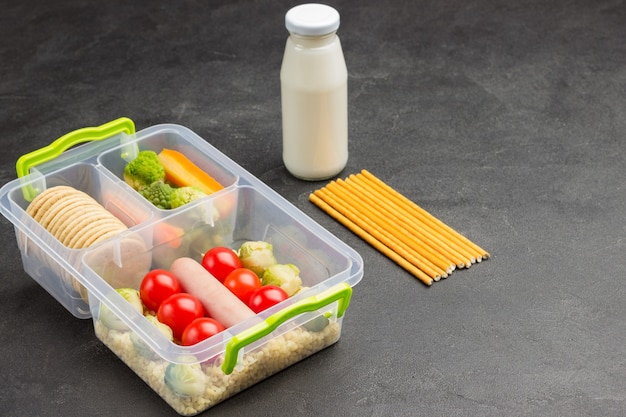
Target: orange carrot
167,233
180,171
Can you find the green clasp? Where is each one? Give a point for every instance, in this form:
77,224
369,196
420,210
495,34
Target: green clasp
56,148
340,293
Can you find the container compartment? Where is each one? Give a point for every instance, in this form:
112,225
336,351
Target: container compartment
254,216
206,384
53,265
168,137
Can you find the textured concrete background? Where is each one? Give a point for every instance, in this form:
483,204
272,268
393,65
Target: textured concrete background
505,119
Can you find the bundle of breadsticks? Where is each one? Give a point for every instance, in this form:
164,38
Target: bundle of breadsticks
397,227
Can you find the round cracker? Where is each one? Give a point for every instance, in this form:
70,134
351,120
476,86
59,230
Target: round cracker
73,217
94,228
51,197
76,227
72,225
41,198
111,233
60,207
82,214
95,232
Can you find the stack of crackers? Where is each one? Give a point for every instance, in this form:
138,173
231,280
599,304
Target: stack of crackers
76,219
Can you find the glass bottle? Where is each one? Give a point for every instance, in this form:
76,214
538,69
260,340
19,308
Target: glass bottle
314,94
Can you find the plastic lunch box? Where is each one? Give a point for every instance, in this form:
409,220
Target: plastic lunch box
92,160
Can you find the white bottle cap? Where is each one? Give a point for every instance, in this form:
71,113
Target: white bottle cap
312,19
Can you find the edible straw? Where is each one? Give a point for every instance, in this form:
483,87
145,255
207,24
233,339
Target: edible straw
397,227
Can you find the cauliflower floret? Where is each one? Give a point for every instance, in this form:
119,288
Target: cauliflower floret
144,170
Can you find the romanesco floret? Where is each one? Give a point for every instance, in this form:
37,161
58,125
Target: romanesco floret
158,193
144,170
183,195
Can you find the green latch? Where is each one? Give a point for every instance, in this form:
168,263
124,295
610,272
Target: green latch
56,148
340,293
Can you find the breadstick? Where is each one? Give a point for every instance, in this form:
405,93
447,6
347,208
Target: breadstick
355,213
426,217
400,243
371,240
436,247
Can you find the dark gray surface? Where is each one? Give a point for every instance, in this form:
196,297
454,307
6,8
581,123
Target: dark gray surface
505,119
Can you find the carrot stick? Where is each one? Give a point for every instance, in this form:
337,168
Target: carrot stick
180,171
371,240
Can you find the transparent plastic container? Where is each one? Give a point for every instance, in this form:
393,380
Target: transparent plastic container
246,209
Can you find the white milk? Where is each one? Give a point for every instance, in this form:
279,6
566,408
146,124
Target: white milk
314,94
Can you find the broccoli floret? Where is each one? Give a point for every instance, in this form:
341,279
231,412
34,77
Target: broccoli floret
257,256
183,195
286,276
158,193
144,170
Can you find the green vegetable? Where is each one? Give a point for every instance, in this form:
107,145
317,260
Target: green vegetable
158,193
110,319
286,276
141,347
183,195
185,379
144,170
257,256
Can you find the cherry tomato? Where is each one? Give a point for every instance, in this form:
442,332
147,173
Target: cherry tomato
220,261
242,282
200,329
178,310
265,297
156,286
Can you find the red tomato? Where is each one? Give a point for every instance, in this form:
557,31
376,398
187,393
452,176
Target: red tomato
178,310
220,261
200,329
242,282
265,297
156,286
